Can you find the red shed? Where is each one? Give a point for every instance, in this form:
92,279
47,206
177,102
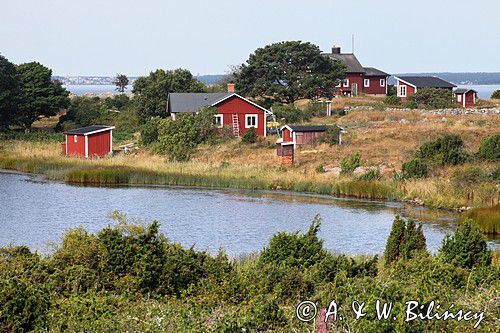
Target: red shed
301,135
409,85
235,111
466,98
90,141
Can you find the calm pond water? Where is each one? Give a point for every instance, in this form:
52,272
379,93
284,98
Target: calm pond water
35,212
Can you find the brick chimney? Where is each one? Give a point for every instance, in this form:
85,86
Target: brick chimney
230,87
336,49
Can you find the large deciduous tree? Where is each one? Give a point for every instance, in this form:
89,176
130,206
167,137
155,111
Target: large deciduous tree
8,92
288,71
151,92
39,95
121,82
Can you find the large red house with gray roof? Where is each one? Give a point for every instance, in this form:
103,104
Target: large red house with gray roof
359,79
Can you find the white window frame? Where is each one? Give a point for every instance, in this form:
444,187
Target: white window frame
221,122
366,83
459,98
400,90
254,116
75,138
382,82
346,83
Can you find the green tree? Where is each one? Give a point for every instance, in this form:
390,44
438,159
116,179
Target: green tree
39,95
8,92
121,82
405,239
490,148
432,98
350,163
151,92
466,248
446,150
496,94
289,71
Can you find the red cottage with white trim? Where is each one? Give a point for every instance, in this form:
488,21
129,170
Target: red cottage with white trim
234,111
465,98
90,141
409,85
359,79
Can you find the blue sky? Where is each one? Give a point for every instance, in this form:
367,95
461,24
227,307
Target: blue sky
105,37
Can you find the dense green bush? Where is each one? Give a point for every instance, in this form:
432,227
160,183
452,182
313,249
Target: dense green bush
466,248
370,175
415,168
490,148
445,150
392,100
250,136
289,114
405,240
350,163
432,98
496,94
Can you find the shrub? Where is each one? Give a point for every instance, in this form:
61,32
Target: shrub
406,238
433,98
490,148
370,175
415,168
250,136
331,136
496,94
392,100
350,163
149,131
289,114
392,90
294,249
466,248
446,150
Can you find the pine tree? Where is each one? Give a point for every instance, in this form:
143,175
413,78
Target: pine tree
405,239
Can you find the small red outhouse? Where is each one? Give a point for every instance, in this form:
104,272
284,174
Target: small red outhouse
300,135
90,141
465,98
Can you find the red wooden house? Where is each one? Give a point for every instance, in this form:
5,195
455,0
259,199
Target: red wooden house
359,79
465,98
234,111
409,85
90,141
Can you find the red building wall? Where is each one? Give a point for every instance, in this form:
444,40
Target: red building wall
375,88
235,105
99,144
410,90
470,99
287,135
75,148
355,78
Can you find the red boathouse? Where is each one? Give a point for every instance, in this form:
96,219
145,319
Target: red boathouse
90,141
465,98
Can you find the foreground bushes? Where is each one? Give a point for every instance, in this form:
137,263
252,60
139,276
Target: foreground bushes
131,278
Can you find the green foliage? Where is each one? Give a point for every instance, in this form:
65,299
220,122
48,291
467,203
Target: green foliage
392,100
331,136
151,92
294,249
250,136
350,163
83,111
496,94
392,90
9,89
370,175
289,114
466,248
121,82
289,71
39,95
490,148
405,240
434,98
445,150
415,168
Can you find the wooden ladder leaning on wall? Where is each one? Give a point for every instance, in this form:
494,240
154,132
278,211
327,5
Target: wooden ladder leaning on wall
236,125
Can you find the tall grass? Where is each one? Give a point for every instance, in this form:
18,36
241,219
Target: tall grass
488,219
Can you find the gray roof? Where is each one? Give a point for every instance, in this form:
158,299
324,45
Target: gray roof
308,128
427,81
370,71
462,90
348,59
88,129
192,102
